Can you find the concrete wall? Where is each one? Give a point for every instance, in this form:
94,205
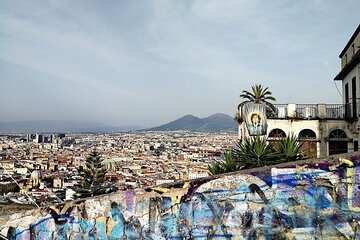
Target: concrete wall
314,199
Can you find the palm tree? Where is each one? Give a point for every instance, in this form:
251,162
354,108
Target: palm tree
238,118
259,94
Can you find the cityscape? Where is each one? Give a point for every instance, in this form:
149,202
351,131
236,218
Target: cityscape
160,119
45,167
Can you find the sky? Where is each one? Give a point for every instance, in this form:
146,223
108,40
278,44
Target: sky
149,62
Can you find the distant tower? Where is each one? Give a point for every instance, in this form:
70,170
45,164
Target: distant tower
52,138
30,137
38,138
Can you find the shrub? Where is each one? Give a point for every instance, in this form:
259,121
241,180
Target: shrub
255,152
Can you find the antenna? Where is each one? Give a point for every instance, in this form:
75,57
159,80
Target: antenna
23,191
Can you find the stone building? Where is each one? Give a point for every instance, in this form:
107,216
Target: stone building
325,129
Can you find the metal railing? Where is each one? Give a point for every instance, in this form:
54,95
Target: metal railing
335,111
306,111
280,113
339,111
311,111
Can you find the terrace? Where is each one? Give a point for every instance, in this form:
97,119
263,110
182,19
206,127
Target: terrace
313,111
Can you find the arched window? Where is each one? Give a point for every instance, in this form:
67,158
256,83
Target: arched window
308,147
277,133
338,142
307,134
337,133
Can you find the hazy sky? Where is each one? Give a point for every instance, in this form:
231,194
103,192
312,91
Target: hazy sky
150,62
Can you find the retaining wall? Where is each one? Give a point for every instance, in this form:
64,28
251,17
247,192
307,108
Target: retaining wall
315,199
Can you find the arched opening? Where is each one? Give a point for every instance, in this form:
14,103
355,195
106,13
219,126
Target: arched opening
308,140
307,134
338,142
277,133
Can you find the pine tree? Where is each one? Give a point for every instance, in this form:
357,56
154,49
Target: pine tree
93,176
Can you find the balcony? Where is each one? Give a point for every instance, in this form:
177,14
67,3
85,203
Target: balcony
312,111
306,111
336,111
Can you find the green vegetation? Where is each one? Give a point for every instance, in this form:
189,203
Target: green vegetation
259,94
289,148
255,152
225,165
93,176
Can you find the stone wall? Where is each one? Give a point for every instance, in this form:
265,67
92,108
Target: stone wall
314,199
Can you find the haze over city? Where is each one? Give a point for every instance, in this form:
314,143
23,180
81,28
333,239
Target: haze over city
149,62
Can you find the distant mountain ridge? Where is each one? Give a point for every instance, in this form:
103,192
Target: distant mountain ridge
49,126
218,122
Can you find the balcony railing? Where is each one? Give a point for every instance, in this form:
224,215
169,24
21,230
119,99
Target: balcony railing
335,111
306,111
312,111
280,113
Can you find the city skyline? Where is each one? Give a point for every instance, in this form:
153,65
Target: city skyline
150,62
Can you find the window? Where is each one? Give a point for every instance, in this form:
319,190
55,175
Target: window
338,142
307,133
337,133
353,87
353,49
356,146
347,105
308,147
277,133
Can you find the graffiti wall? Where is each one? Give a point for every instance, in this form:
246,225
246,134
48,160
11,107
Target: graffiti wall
317,199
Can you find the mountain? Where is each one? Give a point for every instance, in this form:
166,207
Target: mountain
60,126
218,122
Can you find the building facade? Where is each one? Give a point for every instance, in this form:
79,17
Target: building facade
324,129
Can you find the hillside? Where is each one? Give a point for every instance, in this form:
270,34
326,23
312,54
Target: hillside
218,122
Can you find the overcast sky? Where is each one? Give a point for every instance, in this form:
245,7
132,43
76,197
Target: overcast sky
150,62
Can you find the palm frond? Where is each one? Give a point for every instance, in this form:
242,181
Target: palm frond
259,94
226,164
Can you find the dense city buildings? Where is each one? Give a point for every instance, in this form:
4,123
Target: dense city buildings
44,168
